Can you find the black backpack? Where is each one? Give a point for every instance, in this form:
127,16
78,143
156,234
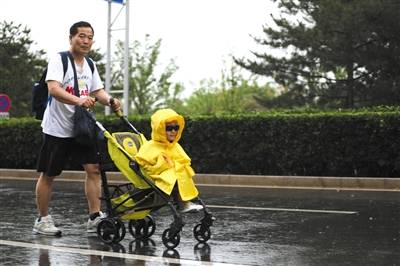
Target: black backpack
40,91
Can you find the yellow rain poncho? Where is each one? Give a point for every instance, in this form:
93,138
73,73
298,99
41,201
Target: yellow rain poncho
166,162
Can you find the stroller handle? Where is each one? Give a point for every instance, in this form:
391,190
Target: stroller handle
119,114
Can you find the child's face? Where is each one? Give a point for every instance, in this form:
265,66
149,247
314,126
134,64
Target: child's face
171,130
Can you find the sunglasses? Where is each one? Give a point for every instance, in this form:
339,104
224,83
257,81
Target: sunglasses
170,128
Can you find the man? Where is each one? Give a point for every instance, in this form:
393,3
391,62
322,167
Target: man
57,125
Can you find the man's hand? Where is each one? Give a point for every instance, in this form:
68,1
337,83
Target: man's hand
87,102
115,104
104,98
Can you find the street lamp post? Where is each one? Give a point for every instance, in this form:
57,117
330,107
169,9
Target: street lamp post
125,90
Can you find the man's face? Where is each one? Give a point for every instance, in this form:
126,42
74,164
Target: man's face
81,43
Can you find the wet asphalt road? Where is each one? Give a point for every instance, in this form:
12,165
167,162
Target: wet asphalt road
255,226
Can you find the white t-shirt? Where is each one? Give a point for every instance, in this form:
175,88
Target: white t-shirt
57,119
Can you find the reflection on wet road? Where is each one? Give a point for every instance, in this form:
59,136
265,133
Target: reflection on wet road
255,226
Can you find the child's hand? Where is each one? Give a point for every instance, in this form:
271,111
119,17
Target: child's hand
167,159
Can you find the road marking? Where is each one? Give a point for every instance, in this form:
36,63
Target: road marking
338,189
64,249
281,209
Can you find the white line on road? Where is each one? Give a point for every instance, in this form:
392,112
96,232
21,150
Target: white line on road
281,209
64,249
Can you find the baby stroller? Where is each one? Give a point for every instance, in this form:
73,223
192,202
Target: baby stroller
135,201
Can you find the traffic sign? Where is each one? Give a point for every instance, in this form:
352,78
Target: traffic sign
5,103
117,1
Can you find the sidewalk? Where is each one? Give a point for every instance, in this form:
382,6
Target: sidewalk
296,182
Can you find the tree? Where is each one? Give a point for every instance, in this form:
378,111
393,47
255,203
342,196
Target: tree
231,94
149,90
238,94
20,68
341,53
203,100
98,57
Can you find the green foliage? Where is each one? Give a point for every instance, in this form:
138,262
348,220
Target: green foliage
303,143
202,101
20,140
338,53
98,57
289,142
232,94
149,88
20,68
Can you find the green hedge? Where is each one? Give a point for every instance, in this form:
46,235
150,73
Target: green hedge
364,143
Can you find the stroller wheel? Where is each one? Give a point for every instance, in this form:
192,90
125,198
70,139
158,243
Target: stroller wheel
202,233
121,230
107,231
151,225
142,229
132,228
170,241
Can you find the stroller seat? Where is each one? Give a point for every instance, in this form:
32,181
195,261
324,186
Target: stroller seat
131,142
122,147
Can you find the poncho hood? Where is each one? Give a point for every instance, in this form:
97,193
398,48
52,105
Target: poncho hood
158,121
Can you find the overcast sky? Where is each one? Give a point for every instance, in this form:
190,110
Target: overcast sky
198,34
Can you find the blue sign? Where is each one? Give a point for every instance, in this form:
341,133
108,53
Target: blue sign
5,103
117,1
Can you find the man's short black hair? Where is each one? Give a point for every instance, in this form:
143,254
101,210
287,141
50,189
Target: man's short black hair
81,24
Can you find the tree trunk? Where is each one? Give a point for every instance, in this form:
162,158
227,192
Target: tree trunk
350,85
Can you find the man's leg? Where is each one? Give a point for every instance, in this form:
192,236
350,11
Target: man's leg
93,194
44,224
51,159
44,188
93,187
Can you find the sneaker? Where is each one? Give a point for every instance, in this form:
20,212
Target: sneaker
190,207
91,226
45,226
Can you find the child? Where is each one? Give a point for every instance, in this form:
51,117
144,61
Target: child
164,160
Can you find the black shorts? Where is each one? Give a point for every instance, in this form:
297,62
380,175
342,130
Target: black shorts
55,152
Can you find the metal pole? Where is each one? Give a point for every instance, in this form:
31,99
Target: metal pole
126,61
108,64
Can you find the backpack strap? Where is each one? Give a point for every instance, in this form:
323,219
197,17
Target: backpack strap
90,63
64,60
67,55
76,86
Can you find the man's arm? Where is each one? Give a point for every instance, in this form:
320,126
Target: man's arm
61,95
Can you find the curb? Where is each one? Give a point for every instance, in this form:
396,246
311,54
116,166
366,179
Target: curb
316,182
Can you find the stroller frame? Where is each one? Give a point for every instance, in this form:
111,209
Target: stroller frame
112,230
